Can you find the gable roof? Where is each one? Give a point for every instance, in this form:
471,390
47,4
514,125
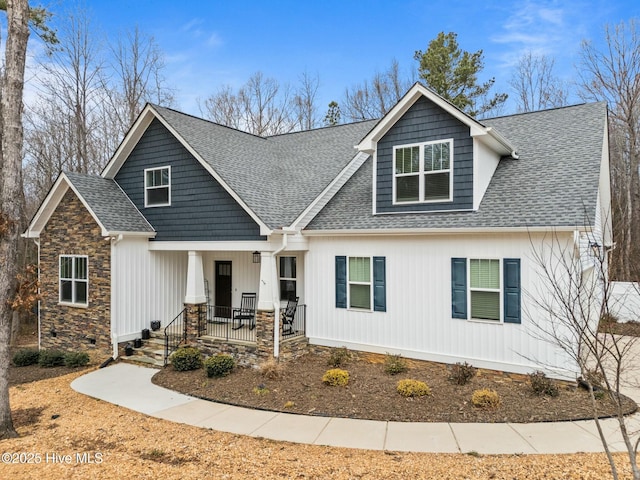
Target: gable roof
486,134
553,184
273,178
110,207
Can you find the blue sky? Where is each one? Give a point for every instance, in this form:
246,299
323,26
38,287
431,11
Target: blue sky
208,44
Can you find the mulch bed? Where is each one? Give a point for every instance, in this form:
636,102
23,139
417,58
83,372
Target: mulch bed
371,393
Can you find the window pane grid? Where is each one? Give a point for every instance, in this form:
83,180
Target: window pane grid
73,277
484,279
423,172
360,282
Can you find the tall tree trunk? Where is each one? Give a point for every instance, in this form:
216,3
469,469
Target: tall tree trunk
12,192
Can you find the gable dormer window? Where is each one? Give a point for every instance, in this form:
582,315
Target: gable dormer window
422,172
157,187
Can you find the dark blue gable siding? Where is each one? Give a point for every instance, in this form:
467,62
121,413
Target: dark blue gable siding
425,122
201,210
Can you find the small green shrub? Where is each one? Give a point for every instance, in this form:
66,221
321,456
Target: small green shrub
486,398
339,357
336,377
462,373
542,385
76,359
185,359
23,358
413,388
394,364
51,358
219,365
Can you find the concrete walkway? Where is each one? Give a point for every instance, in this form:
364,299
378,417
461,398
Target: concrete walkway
130,386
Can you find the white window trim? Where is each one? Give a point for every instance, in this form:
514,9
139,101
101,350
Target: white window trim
370,283
293,279
73,280
500,291
147,188
421,173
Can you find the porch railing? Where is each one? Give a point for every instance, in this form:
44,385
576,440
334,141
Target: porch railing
299,326
220,324
175,333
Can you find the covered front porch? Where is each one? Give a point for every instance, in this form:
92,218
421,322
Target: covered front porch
231,295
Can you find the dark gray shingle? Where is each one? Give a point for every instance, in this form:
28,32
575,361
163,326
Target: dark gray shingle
277,177
553,183
109,203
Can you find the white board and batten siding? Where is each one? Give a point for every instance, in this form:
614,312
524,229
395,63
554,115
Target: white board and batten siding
146,285
624,301
418,322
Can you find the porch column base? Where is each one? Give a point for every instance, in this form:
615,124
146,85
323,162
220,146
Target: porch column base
264,333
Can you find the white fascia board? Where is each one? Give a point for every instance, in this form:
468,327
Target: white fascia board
116,233
476,129
228,246
47,207
133,137
51,202
329,192
434,231
129,142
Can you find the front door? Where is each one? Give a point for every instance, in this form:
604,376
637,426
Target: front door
223,289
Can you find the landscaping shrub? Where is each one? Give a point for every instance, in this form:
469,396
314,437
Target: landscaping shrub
413,388
23,358
261,390
542,385
486,398
51,358
336,377
271,369
76,359
339,357
185,359
219,365
394,364
462,373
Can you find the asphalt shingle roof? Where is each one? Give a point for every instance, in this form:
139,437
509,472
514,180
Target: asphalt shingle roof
553,183
109,203
277,177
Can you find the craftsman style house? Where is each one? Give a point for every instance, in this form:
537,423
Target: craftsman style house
417,241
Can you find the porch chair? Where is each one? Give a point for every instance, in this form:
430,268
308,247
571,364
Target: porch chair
288,315
247,311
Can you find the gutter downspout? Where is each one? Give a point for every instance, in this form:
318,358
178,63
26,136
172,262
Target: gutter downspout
115,240
276,303
37,242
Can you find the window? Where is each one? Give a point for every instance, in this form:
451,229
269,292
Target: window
74,279
423,172
157,187
287,278
359,280
485,288
484,285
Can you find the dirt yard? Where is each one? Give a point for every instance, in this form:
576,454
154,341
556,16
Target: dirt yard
64,434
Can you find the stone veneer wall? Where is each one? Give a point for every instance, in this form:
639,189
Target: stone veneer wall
71,230
248,354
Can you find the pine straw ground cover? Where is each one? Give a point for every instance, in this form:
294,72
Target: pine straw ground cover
54,420
371,393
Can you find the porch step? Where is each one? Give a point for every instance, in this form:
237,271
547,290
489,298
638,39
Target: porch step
151,352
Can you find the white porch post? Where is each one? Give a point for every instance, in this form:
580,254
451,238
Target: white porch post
266,291
195,280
